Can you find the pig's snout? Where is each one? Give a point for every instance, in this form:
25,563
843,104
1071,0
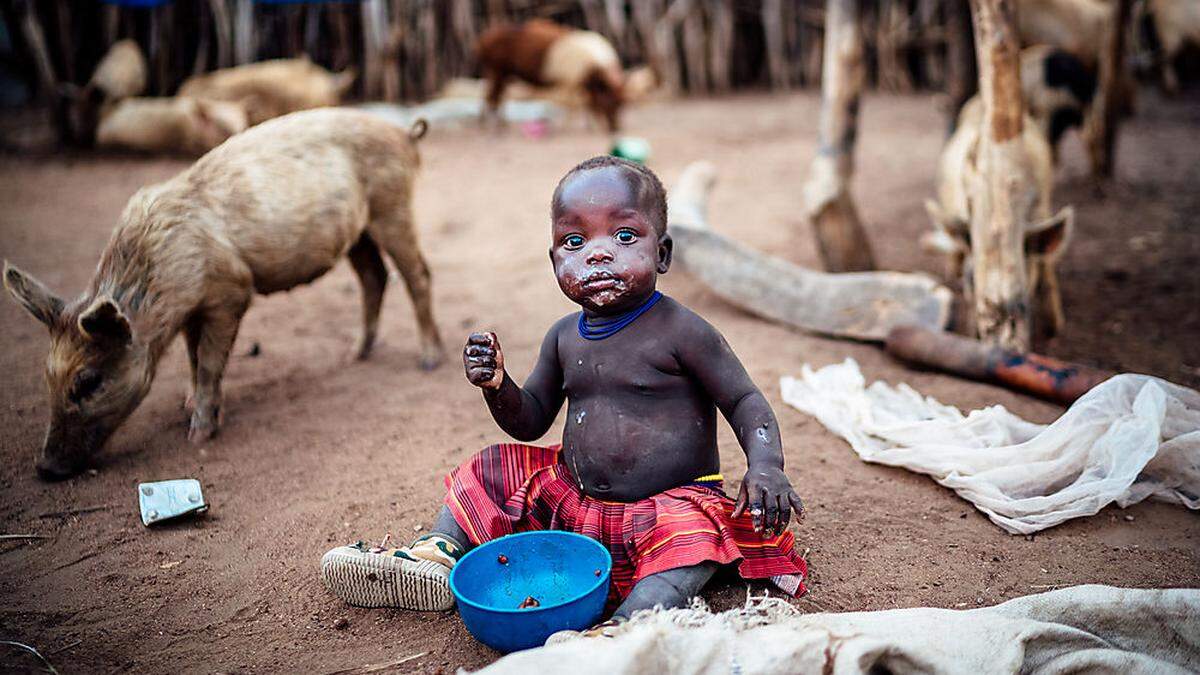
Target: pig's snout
52,470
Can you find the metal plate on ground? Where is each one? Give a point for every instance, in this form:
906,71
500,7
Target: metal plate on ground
167,499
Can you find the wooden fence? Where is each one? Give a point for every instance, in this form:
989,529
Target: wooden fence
406,49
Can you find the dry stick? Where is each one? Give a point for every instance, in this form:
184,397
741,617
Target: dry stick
1100,130
841,239
720,43
66,647
693,49
224,29
962,80
6,537
997,190
80,559
376,667
33,651
772,12
72,512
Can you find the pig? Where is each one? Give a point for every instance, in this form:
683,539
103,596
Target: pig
1046,235
546,54
1075,26
272,208
1057,88
121,73
177,125
272,88
1176,23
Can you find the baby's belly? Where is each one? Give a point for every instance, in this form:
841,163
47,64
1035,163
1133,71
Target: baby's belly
630,452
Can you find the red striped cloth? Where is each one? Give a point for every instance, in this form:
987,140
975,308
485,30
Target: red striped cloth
511,487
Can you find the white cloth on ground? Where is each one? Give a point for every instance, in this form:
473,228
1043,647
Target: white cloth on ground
1129,438
1079,629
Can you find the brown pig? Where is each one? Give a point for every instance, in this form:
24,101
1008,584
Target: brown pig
272,88
273,208
1046,236
546,54
178,125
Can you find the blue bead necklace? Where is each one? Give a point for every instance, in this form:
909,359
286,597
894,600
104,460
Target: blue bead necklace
602,328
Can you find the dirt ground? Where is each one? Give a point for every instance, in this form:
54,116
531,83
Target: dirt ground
318,450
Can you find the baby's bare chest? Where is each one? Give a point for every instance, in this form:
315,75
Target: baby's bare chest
648,370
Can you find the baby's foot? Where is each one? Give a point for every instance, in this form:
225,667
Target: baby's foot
607,629
413,577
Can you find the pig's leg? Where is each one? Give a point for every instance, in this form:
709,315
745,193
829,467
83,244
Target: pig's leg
217,333
191,332
372,274
396,234
497,82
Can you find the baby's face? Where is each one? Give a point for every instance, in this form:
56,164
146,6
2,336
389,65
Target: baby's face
605,250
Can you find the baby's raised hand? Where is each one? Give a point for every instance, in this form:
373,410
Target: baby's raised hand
767,493
483,360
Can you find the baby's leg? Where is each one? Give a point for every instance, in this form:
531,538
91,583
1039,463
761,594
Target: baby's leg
446,526
670,588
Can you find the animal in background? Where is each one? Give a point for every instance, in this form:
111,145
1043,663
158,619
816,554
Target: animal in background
269,89
168,125
1046,235
1057,88
122,72
1074,26
546,54
273,208
1176,23
119,75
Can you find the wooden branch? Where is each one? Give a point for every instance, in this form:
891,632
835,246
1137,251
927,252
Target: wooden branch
772,15
860,306
840,236
1028,373
999,187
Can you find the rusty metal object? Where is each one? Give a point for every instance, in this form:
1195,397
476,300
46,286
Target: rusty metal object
1034,374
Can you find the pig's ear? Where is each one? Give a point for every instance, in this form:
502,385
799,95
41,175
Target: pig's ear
33,296
1049,238
104,322
344,80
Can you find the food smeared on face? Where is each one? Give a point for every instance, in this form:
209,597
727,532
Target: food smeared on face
609,236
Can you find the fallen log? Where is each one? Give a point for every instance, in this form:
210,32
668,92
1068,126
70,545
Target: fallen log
857,305
1028,373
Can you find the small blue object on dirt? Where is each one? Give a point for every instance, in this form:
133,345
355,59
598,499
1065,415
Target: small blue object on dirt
166,499
515,591
631,148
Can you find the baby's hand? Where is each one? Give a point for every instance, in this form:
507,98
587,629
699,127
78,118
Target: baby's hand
484,361
769,495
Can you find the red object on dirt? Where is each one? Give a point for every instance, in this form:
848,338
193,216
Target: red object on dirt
1026,372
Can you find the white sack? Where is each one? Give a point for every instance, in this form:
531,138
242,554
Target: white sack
1129,438
1073,630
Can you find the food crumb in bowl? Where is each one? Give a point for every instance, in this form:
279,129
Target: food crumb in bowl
529,602
598,572
502,559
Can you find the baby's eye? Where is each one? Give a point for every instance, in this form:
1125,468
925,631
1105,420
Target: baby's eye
573,241
626,236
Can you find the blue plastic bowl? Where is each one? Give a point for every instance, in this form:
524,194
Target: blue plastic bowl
558,569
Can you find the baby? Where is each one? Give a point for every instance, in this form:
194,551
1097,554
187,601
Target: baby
637,470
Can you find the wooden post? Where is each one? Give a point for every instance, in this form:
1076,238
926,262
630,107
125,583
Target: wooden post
1100,128
245,44
1000,187
772,15
962,78
840,236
